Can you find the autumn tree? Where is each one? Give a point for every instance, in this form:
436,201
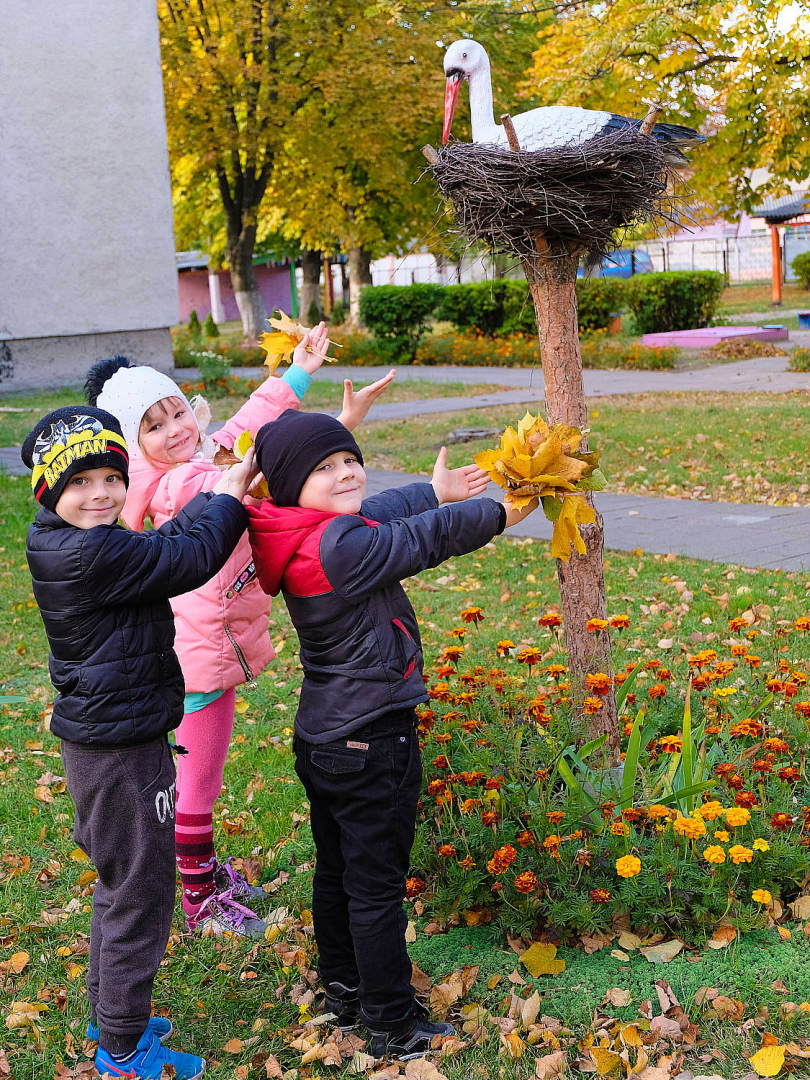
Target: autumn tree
737,69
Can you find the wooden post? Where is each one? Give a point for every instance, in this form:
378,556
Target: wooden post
776,267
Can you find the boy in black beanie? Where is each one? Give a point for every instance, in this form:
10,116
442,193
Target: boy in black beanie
338,559
103,593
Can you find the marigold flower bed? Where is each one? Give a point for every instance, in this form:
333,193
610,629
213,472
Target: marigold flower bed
516,828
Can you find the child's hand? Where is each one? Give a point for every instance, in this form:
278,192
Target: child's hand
356,405
239,478
513,516
455,485
310,352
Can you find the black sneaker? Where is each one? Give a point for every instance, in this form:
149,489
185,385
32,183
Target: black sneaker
410,1042
344,1003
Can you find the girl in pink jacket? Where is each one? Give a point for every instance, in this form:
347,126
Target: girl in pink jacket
222,628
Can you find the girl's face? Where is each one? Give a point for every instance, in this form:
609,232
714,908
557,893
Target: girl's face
168,433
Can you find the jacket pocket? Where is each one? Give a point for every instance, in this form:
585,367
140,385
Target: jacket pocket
406,647
337,761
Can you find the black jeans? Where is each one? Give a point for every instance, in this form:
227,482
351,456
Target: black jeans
125,822
363,791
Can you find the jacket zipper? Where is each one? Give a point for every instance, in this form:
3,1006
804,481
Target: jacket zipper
239,654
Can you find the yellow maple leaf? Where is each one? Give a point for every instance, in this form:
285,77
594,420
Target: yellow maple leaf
243,443
540,960
606,1061
280,343
769,1059
575,511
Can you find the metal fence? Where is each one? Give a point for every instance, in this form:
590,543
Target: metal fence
744,258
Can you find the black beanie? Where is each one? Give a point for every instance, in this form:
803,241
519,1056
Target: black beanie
289,448
68,441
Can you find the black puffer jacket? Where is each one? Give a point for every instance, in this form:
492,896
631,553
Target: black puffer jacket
103,594
340,575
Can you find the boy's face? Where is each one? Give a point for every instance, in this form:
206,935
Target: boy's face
338,485
93,497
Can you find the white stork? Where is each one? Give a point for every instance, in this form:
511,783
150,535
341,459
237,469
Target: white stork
540,129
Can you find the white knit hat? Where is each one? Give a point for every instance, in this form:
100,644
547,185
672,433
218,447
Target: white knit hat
129,392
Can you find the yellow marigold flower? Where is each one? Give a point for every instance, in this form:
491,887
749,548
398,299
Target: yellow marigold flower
739,854
714,854
762,896
722,835
691,827
628,866
710,810
737,815
761,845
593,625
725,691
658,812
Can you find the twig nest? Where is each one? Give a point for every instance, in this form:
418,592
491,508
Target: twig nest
575,196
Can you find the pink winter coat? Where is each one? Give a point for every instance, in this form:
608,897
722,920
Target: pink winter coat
222,628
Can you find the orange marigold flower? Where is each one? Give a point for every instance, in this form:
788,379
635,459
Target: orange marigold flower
790,774
542,774
592,705
551,618
751,729
445,671
657,690
441,762
775,686
709,810
414,886
502,859
722,835
724,667
746,799
453,653
689,827
441,692
752,661
436,787
714,854
469,806
726,768
472,725
556,671
803,708
466,863
503,648
529,656
664,674
700,682
781,821
466,697
762,896
447,851
490,817
762,766
798,677
739,650
620,828
658,812
459,632
802,623
752,634
736,816
740,854
555,816
595,624
671,744
628,866
472,615
736,624
599,682
620,622
525,838
776,746
526,882
443,737
600,896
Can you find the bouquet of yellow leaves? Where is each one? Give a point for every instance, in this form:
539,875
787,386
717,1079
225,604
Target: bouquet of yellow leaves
538,461
281,342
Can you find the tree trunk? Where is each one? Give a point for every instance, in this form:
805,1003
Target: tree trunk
310,286
243,280
552,280
359,278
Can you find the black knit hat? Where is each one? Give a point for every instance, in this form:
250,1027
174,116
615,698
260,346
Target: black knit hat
71,440
289,448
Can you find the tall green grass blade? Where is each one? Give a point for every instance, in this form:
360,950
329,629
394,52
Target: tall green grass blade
631,761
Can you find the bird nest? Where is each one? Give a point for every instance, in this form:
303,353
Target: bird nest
582,197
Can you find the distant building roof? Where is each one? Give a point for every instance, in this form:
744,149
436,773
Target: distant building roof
775,211
191,260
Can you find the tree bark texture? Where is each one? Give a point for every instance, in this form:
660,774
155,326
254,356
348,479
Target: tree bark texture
310,292
552,280
239,252
359,278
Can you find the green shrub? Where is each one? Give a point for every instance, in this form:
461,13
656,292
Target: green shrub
505,306
194,327
338,316
676,300
801,268
228,346
314,314
800,360
210,328
397,315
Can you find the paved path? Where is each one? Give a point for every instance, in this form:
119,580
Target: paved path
748,535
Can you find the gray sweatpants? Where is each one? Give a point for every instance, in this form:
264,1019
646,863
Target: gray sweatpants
124,801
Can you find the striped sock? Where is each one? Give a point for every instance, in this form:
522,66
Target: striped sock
194,852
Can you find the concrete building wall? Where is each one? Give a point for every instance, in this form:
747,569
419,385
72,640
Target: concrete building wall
87,248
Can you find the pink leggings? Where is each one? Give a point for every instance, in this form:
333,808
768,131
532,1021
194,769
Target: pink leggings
206,735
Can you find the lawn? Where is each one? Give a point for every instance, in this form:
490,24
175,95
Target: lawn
25,409
233,1001
756,296
722,446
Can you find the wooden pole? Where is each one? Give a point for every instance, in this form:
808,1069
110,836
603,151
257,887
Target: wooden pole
776,267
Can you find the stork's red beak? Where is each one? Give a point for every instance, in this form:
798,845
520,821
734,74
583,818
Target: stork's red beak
450,97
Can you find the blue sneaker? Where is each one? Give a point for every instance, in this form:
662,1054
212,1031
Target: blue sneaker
149,1061
158,1026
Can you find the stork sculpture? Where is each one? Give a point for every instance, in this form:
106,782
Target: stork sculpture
543,128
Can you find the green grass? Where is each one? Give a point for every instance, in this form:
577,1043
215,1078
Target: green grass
756,296
204,984
731,447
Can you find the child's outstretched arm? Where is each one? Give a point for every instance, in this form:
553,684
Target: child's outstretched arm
456,485
356,404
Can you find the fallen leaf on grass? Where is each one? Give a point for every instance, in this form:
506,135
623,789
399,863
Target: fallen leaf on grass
722,937
272,1068
617,954
663,953
770,1058
606,1061
540,960
551,1065
666,997
801,907
664,1028
422,1069
726,1008
17,962
360,1063
628,940
233,1046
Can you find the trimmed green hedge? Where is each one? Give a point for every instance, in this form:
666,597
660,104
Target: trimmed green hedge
675,300
801,268
397,316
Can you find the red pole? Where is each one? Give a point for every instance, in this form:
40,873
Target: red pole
776,267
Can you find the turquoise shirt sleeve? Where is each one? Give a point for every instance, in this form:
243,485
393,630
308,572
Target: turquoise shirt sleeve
297,379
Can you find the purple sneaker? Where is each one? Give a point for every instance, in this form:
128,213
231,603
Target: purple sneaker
221,914
228,879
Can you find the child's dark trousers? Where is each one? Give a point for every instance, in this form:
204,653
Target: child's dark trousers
363,790
124,802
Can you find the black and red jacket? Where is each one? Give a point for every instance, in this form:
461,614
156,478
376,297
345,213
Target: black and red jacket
340,577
